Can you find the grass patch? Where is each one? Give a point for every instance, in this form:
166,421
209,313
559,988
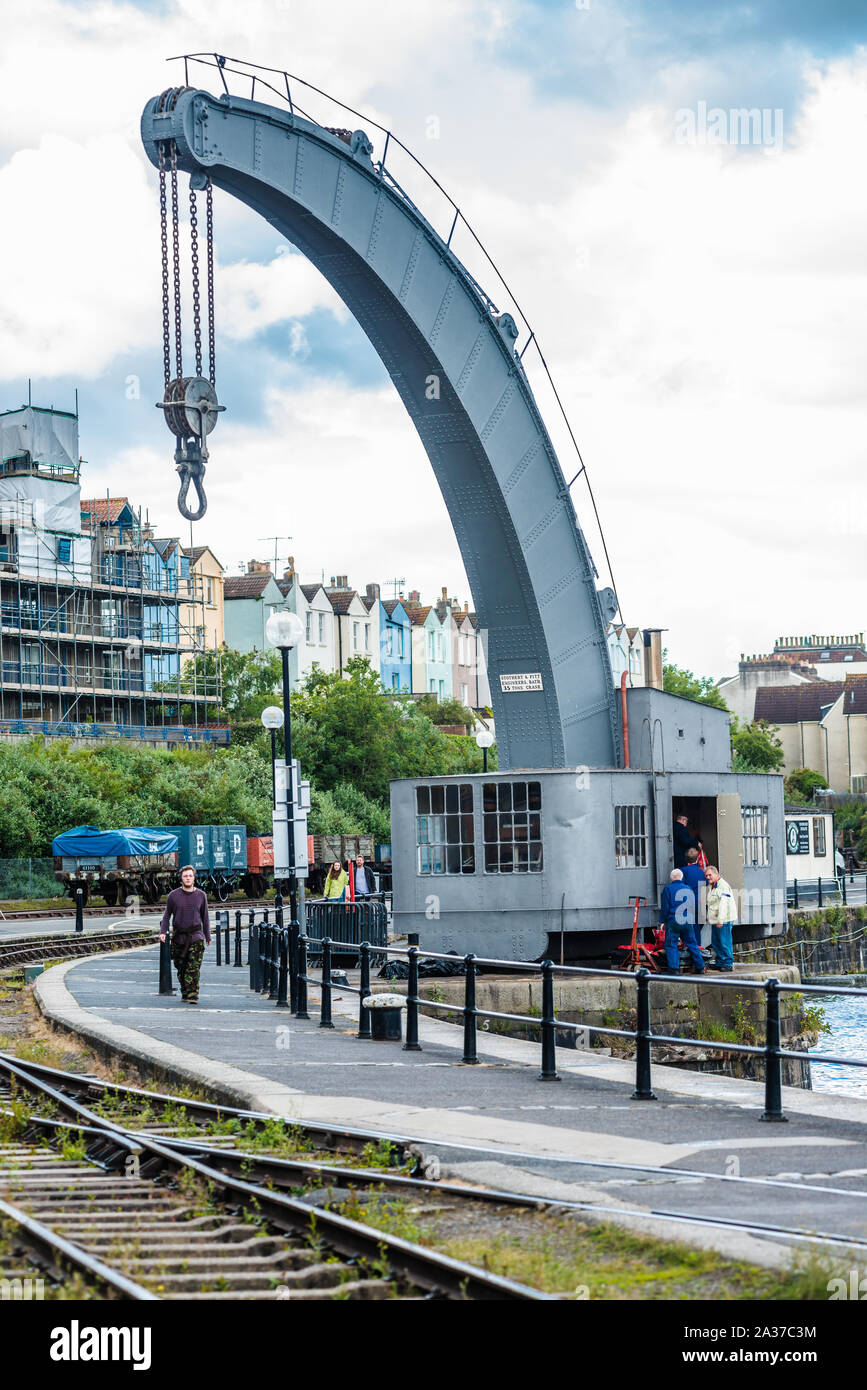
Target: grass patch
561,1256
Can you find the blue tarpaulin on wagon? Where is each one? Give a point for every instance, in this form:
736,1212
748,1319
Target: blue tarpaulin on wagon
84,841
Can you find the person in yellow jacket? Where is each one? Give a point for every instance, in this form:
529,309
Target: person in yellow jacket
335,883
722,912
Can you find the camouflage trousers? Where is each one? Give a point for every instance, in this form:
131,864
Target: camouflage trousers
187,957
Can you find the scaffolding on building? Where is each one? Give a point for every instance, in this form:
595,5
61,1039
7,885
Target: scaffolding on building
97,626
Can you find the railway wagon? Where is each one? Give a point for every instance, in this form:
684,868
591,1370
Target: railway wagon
137,861
225,858
218,853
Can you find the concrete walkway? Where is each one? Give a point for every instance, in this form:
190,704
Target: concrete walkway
495,1123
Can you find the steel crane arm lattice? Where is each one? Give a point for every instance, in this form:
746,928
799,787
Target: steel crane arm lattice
453,362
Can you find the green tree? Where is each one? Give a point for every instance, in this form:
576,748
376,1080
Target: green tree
678,681
755,747
445,711
801,784
344,730
250,681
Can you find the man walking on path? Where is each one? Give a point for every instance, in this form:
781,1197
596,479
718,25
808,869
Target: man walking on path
187,911
677,915
721,913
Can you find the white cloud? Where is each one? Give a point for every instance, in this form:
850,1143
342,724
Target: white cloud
702,307
79,240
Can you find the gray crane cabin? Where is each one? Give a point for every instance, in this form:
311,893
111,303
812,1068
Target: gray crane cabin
531,862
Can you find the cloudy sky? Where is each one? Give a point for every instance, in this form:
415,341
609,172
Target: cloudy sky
699,297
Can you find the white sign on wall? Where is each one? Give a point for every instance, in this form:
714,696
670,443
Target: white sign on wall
514,683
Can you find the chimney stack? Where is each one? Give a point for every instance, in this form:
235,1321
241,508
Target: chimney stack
258,567
372,591
653,658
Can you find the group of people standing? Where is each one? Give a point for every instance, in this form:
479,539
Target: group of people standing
681,903
337,881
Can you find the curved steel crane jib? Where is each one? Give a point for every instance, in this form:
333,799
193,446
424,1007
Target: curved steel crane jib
452,360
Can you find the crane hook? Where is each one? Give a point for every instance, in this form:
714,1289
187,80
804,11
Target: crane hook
191,471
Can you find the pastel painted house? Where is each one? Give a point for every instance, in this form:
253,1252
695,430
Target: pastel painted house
431,654
395,646
312,605
248,602
356,626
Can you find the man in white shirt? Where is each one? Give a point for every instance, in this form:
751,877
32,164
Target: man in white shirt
364,884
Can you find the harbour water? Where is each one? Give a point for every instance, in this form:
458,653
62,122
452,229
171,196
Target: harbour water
848,1038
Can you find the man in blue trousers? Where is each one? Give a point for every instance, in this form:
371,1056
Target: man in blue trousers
677,915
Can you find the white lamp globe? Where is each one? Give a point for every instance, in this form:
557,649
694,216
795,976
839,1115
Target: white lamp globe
484,738
284,629
272,717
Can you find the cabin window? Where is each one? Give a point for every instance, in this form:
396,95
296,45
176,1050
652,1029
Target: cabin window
444,829
512,823
630,837
757,850
819,836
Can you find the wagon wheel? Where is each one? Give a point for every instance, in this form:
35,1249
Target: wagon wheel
109,893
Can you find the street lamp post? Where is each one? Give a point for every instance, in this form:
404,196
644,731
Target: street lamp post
284,631
272,718
484,740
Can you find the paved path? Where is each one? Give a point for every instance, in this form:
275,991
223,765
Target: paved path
64,926
503,1126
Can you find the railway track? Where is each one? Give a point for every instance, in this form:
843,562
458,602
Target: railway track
145,1213
23,952
325,1182
68,913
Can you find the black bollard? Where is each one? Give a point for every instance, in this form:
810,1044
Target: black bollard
549,1025
264,947
412,1043
253,953
773,1056
302,977
470,1057
294,932
166,965
643,1090
261,956
79,909
325,1006
219,940
821,901
363,1013
283,974
239,960
273,966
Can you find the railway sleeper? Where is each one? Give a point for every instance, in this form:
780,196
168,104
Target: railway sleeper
361,1289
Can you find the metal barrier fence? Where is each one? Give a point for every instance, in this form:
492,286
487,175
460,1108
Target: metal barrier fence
350,923
278,955
25,879
849,887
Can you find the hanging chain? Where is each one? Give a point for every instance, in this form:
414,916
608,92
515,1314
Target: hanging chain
209,224
190,405
176,257
194,257
164,245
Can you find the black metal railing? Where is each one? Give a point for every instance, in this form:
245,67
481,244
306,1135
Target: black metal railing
845,888
278,962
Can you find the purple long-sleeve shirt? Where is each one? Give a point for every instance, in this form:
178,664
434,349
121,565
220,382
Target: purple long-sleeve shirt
188,913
